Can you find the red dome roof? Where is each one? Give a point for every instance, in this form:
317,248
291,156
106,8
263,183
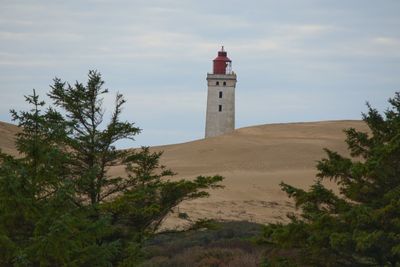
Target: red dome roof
221,62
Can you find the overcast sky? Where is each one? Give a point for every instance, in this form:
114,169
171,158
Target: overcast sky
298,60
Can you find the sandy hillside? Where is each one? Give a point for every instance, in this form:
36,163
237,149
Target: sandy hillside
7,135
253,160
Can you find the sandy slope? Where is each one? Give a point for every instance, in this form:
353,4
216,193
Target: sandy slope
7,135
253,160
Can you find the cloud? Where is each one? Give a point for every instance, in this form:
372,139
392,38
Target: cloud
171,101
387,41
295,31
292,58
27,36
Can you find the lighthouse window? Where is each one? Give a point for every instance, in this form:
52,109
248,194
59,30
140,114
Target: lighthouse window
217,83
224,83
220,108
220,94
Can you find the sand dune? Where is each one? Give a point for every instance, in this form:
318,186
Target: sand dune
253,160
7,136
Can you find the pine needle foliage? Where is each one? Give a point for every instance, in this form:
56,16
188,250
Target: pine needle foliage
361,226
59,205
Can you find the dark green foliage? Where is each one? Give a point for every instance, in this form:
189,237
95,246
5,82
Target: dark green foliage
361,227
92,148
59,205
40,223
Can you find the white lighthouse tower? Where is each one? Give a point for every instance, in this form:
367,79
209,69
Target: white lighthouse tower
220,118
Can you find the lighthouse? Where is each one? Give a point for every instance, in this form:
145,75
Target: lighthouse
220,117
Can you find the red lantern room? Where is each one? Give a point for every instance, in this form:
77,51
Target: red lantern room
222,64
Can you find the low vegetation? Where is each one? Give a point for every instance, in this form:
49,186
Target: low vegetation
212,244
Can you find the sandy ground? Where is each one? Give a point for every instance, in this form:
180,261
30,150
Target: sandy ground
7,136
253,160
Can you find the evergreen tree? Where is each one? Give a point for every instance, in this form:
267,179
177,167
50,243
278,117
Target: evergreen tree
92,149
361,226
59,205
40,223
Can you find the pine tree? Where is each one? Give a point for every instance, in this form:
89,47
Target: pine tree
40,223
361,226
92,148
58,203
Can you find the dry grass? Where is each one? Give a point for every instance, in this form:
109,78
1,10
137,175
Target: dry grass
229,244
